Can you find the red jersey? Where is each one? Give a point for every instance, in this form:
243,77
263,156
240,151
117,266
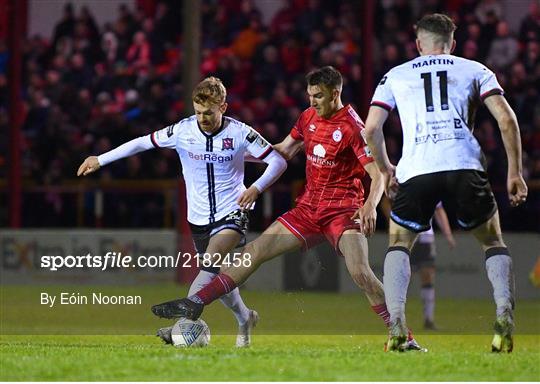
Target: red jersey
336,155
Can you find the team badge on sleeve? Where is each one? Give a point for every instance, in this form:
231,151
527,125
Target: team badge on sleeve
254,137
262,142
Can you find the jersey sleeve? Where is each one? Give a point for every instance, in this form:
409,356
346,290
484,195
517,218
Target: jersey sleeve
297,132
383,96
359,146
488,83
257,145
132,147
165,137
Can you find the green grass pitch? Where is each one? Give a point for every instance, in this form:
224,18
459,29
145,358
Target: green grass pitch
302,336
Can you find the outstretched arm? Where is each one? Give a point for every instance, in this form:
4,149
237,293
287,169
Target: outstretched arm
93,163
276,166
289,147
507,121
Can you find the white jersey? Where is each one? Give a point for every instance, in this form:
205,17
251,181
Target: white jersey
212,164
437,97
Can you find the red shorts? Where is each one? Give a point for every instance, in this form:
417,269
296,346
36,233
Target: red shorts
313,225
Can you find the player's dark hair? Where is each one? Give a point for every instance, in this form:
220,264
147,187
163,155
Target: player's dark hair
438,24
327,76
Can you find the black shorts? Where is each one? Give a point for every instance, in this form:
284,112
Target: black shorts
422,255
237,220
467,190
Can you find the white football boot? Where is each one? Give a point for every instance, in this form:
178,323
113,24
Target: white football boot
243,339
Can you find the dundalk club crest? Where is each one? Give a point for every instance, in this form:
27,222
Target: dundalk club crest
227,143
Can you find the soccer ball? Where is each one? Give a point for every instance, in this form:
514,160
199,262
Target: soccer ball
189,333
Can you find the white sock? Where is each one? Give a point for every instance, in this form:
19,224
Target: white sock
201,281
232,300
501,276
397,274
427,293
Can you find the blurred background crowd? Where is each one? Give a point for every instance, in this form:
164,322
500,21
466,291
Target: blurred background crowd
90,87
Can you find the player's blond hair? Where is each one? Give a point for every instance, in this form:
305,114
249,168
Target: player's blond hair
209,91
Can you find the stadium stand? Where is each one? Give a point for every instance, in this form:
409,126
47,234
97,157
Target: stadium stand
88,88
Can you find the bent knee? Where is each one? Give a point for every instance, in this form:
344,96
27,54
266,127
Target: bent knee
493,243
490,240
401,240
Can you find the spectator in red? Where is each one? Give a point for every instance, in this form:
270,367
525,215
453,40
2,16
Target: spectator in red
292,55
138,55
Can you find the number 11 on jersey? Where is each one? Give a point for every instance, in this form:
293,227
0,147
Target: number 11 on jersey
428,90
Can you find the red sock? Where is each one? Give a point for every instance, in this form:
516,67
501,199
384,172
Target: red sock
382,311
219,286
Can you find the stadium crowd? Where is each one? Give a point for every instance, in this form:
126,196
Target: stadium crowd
88,88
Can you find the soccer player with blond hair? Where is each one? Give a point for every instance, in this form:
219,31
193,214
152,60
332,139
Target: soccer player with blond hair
212,149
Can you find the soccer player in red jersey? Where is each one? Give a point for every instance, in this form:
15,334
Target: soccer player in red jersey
332,206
